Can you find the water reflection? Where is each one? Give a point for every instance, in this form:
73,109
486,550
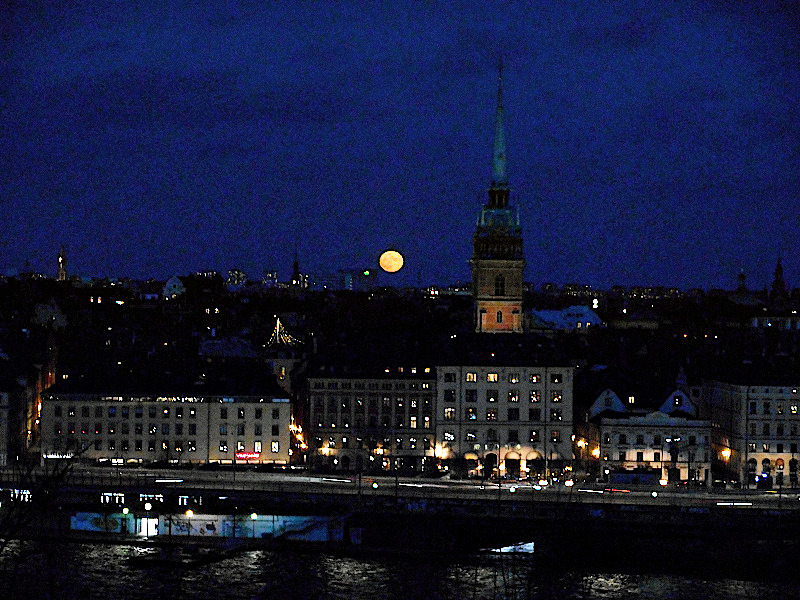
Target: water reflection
84,572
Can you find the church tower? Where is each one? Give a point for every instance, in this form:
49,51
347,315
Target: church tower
62,266
497,261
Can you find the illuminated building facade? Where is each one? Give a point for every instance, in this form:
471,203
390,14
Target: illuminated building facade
373,423
756,431
517,417
497,261
123,429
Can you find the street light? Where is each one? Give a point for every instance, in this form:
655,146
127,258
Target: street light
253,518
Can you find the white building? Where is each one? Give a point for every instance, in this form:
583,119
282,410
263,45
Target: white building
756,431
519,418
142,428
671,443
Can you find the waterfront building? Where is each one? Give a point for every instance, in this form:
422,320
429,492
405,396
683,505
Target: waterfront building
379,419
756,430
144,426
513,419
669,444
497,260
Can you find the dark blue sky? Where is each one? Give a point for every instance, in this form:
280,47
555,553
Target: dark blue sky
648,143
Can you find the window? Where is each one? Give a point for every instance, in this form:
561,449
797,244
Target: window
259,413
223,413
534,414
472,377
239,445
112,412
767,409
752,409
621,456
500,285
257,429
623,439
640,457
765,429
472,413
138,445
555,436
499,316
275,446
449,377
192,429
471,436
223,445
491,415
240,413
534,437
449,436
513,396
223,429
556,378
257,446
151,445
765,447
165,429
275,413
57,411
178,412
275,430
555,414
639,440
513,414
412,422
513,436
491,377
449,395
98,411
534,378
491,435
165,413
513,378
657,456
178,428
692,440
491,395
138,412
555,396
471,395
534,396
240,429
657,440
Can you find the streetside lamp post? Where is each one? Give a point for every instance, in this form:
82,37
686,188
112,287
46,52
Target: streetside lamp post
189,514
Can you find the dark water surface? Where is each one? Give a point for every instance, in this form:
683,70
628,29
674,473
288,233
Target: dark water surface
44,570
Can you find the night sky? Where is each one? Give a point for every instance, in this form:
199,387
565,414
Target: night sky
648,143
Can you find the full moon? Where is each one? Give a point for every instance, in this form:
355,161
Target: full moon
391,261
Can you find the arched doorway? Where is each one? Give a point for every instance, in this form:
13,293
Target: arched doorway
489,464
512,462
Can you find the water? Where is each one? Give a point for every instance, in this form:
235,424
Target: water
66,571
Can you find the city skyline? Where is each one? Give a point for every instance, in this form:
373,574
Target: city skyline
646,146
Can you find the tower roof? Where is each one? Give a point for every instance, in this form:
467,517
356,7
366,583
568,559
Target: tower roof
499,177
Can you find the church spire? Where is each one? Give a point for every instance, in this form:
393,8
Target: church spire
499,178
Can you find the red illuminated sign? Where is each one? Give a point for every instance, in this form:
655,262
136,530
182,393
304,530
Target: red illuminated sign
248,455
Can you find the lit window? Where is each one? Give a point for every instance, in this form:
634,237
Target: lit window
631,400
534,396
472,377
491,415
491,377
513,396
275,446
556,396
534,378
413,422
449,436
257,446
